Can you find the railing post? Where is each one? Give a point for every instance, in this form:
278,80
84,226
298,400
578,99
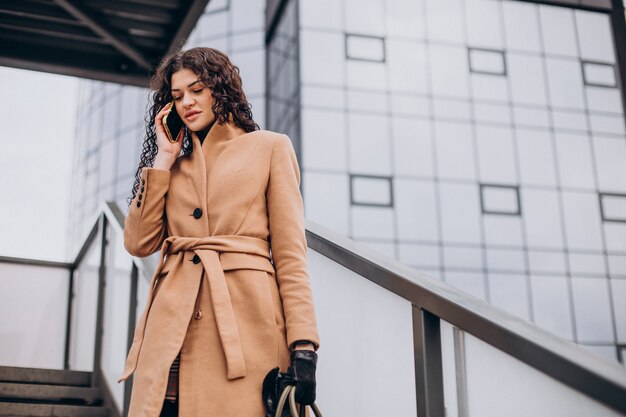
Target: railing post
428,368
68,323
132,317
100,308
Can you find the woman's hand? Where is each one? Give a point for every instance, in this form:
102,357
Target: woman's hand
302,371
168,151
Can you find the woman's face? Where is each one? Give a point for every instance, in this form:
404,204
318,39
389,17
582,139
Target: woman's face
193,100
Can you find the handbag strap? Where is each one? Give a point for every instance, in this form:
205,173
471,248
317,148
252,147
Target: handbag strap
290,393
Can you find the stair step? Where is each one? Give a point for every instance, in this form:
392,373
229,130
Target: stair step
44,376
10,391
47,410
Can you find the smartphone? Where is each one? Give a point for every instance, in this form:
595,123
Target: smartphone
172,123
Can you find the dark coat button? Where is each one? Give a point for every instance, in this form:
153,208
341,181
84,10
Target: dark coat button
138,203
196,259
197,213
140,196
142,189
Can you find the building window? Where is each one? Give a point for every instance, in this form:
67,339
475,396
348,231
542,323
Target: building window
486,61
613,207
370,190
599,74
365,47
500,199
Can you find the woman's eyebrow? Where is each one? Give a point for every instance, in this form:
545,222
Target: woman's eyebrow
195,82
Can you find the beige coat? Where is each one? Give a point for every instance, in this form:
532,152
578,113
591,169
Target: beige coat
219,297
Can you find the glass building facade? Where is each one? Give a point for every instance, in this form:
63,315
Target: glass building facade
481,141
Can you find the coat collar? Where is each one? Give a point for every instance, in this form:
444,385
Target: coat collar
219,132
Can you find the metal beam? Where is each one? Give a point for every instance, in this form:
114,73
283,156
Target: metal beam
428,366
188,21
103,29
129,10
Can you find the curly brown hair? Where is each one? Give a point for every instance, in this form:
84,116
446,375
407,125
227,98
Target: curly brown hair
218,73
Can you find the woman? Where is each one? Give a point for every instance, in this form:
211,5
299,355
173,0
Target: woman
222,310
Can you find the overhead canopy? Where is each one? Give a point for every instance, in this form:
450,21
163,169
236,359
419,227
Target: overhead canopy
111,40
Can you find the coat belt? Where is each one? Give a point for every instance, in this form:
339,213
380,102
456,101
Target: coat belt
242,252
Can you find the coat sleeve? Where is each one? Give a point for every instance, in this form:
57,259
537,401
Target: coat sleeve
145,226
288,243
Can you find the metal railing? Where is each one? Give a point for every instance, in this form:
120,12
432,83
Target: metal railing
433,302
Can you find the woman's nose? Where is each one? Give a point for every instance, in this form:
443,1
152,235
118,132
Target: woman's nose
187,100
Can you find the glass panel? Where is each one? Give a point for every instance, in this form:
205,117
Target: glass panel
551,306
610,154
569,120
371,190
496,154
84,309
542,262
565,83
460,213
407,66
618,293
365,16
574,160
594,36
116,310
324,14
367,334
503,230
521,25
445,20
452,370
527,79
323,148
471,282
327,200
489,370
510,293
487,61
419,256
599,74
542,218
322,57
484,25
33,307
412,147
506,260
416,210
449,70
587,264
365,47
614,234
455,151
369,132
557,27
405,19
498,199
372,222
463,257
614,207
582,220
592,310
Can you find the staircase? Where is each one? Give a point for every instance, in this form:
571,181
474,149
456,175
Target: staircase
45,392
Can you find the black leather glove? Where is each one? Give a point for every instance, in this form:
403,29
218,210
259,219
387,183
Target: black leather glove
302,370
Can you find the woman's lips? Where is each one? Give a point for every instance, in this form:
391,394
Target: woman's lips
192,116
